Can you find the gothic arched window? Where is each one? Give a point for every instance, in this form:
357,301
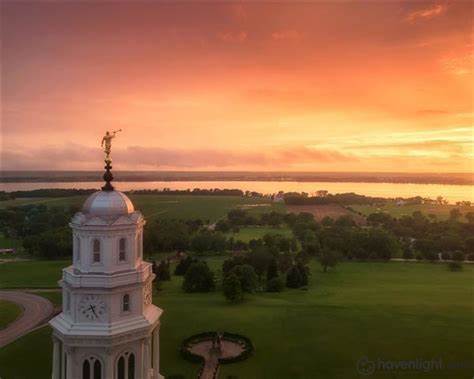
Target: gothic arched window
86,370
96,250
131,366
126,303
126,366
91,368
121,368
122,249
97,370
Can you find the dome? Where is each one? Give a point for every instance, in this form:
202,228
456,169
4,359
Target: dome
108,203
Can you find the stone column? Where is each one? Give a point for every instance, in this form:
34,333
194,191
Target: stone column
70,364
56,374
156,353
146,358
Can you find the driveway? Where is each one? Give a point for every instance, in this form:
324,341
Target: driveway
36,310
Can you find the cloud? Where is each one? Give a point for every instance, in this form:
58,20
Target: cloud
426,13
286,35
233,37
77,157
459,65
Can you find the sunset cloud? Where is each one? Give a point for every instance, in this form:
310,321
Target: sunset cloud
325,86
427,13
286,35
234,37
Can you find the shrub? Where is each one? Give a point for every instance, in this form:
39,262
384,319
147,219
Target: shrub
419,256
247,277
232,288
454,266
198,278
328,258
458,256
430,256
183,265
297,276
408,254
276,284
162,271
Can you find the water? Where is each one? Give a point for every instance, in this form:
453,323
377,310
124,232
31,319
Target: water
451,192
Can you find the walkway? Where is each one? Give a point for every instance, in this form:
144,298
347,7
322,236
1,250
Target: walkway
36,310
210,355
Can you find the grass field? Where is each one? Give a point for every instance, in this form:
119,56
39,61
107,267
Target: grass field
31,274
386,311
441,211
9,312
209,208
249,233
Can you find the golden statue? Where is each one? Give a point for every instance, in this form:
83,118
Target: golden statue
107,143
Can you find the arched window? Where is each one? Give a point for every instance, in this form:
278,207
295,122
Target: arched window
121,368
91,368
96,251
86,370
126,303
126,366
97,370
122,250
131,366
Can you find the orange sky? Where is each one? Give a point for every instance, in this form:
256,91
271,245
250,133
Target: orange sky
374,86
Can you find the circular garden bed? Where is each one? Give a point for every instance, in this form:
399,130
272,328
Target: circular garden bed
232,347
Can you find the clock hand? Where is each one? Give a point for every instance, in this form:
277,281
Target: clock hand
92,307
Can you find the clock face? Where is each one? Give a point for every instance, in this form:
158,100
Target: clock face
92,307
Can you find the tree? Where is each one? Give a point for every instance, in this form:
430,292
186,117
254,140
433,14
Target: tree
470,217
183,265
454,266
232,289
162,271
293,278
457,256
247,277
454,214
198,278
272,270
275,284
328,259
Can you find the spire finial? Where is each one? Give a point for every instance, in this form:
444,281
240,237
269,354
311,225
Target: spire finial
107,145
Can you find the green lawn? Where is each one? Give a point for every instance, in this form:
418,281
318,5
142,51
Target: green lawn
248,233
387,311
209,208
9,312
441,211
31,274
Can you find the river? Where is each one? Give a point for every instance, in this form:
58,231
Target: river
450,192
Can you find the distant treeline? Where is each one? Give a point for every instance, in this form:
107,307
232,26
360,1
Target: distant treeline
57,192
146,176
198,192
295,198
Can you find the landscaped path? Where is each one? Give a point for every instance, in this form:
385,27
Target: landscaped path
210,355
35,310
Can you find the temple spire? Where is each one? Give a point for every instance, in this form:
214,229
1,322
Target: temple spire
107,146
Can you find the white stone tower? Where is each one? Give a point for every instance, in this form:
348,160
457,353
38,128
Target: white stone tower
109,328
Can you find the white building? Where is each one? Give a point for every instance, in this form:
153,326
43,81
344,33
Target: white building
109,328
